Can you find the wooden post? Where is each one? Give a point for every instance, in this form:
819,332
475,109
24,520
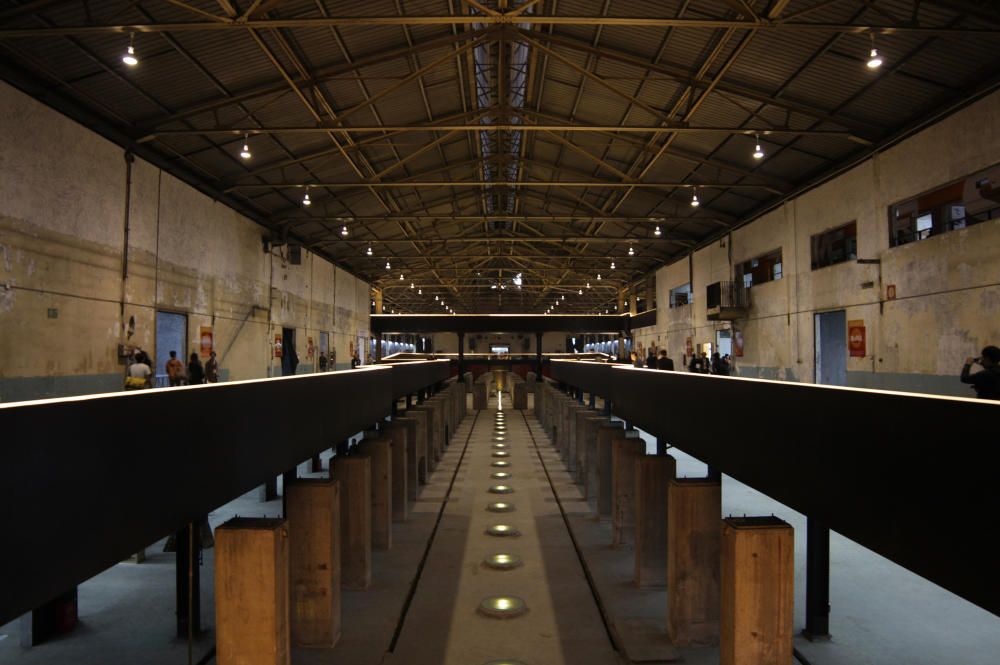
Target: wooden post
421,436
521,396
379,449
587,423
479,396
354,474
313,513
604,437
757,580
694,507
624,453
429,417
397,432
413,460
652,475
251,592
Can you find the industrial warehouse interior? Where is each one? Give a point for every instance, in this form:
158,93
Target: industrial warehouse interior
499,332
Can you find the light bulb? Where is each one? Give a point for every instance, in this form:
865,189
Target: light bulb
343,230
588,285
657,232
694,199
412,285
598,277
401,277
435,297
612,264
758,152
130,58
493,286
369,250
245,152
874,59
580,292
420,292
631,252
564,297
305,199
388,266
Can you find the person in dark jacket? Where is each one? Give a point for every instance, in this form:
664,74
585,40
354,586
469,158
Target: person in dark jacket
196,372
987,382
663,362
651,358
697,364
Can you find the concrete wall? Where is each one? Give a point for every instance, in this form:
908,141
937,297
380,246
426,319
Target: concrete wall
552,342
947,302
70,283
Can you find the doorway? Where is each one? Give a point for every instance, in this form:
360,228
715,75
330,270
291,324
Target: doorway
289,359
831,348
724,342
171,335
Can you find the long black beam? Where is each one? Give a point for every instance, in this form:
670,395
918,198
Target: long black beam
410,376
911,477
86,481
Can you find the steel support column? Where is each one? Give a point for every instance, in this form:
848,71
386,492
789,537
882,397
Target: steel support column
817,580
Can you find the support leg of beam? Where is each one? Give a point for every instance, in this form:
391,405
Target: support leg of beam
652,476
354,474
188,581
397,434
378,449
817,580
624,453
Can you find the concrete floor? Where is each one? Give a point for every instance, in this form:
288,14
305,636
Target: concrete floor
881,613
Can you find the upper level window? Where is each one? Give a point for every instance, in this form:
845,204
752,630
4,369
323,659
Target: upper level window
835,246
971,200
680,296
762,269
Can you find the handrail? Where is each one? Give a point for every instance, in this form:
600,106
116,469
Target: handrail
86,481
866,463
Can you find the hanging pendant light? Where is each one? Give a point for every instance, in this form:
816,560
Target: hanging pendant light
245,152
306,201
758,152
694,199
130,58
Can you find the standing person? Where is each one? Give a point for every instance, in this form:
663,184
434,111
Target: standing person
987,382
175,370
697,365
663,362
716,363
636,360
355,361
651,357
212,369
322,361
196,373
139,374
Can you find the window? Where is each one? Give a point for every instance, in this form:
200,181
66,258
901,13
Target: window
835,246
762,269
968,201
680,296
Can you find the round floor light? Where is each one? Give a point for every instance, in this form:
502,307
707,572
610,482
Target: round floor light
501,489
500,464
500,475
500,507
502,530
505,662
499,446
503,561
501,453
502,607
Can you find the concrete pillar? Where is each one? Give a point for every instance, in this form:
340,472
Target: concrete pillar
354,474
251,592
757,591
399,441
652,476
479,396
520,396
313,513
379,449
587,422
624,454
423,430
694,506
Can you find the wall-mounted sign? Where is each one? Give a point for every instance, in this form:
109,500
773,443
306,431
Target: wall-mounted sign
890,292
738,343
689,347
277,346
856,342
205,341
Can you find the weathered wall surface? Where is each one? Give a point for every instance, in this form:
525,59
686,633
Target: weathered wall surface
70,282
947,304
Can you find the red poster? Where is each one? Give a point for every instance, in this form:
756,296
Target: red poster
737,344
856,339
205,341
277,346
689,347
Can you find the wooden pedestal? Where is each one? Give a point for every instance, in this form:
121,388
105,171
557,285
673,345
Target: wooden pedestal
479,396
379,449
420,436
603,470
312,508
694,507
520,396
354,474
757,580
251,592
624,454
398,434
653,474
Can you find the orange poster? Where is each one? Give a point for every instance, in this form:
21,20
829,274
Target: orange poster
856,339
205,341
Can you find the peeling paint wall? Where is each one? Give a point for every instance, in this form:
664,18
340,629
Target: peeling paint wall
947,304
68,287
